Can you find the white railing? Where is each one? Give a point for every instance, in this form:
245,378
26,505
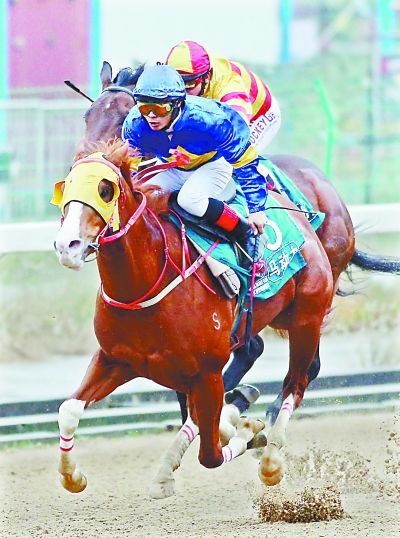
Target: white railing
39,236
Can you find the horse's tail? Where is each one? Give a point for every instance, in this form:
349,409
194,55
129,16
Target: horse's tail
369,262
375,262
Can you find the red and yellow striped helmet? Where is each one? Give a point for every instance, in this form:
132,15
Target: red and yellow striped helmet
190,59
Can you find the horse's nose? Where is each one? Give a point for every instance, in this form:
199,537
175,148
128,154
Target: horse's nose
70,246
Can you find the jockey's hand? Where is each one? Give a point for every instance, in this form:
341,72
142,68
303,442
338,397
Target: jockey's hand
257,222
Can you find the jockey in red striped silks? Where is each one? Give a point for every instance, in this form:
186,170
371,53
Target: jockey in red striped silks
208,75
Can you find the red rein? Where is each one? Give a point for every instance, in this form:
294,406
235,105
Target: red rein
183,273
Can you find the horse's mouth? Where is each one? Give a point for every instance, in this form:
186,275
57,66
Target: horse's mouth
75,262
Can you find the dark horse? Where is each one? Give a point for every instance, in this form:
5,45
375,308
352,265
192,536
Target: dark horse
176,335
103,122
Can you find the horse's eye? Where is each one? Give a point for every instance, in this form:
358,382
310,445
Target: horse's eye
106,190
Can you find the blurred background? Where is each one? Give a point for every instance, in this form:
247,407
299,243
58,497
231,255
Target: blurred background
333,65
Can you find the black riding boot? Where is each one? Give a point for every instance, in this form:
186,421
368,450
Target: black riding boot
227,218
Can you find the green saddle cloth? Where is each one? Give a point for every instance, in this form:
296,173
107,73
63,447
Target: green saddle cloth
283,258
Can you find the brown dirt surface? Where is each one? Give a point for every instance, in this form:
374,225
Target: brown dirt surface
349,460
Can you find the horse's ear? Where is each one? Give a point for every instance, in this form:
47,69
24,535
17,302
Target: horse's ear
106,75
80,150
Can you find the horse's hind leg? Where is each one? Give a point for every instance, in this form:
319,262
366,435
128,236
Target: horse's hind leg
273,409
102,377
303,344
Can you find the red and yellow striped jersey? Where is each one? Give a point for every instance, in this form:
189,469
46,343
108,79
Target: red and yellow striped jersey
233,84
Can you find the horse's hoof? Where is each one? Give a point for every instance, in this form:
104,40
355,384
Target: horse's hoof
248,392
258,441
162,490
74,483
255,425
271,469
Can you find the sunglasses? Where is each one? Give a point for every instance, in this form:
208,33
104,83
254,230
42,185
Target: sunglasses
159,109
190,84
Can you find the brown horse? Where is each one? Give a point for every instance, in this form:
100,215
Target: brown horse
177,335
103,122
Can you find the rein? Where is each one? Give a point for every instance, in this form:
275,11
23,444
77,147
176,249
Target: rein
184,273
102,238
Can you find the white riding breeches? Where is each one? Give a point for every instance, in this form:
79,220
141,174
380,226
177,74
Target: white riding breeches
263,130
196,186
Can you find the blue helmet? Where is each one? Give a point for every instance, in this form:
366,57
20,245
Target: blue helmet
160,83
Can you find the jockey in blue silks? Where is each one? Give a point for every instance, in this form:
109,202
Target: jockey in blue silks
215,138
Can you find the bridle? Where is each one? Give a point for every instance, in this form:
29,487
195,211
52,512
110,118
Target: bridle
140,178
119,89
102,238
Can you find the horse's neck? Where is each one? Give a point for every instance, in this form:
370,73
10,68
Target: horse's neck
131,265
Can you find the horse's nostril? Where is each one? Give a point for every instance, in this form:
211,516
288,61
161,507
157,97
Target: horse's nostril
76,243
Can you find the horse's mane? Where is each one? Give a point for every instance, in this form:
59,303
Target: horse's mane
128,76
109,150
157,198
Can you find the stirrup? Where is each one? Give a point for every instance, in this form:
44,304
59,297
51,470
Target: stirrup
230,283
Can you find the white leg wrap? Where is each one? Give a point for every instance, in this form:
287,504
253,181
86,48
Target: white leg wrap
235,447
230,413
277,434
190,429
286,412
69,414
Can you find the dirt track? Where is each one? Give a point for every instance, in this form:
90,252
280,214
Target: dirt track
208,503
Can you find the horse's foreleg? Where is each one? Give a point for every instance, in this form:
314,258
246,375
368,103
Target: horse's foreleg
102,377
163,484
182,400
68,419
207,396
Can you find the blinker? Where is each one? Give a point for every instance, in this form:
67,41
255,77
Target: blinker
82,185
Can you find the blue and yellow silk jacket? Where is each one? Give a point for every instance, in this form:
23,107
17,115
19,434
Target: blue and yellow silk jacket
205,130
